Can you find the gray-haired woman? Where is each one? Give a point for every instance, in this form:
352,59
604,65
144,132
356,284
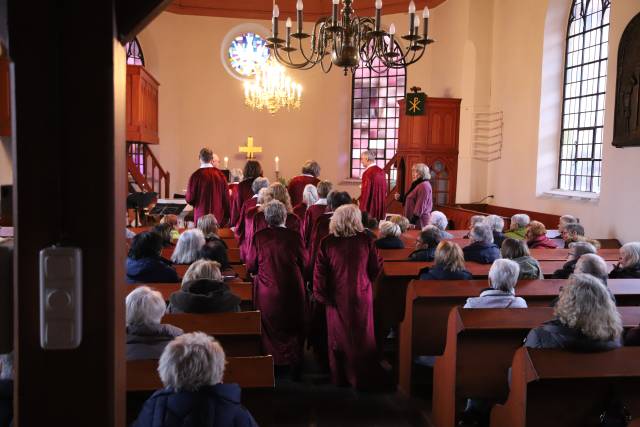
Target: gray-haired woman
503,277
418,201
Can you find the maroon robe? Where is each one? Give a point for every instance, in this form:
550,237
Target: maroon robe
292,223
245,231
248,204
208,193
296,187
242,193
374,192
278,258
345,270
300,211
310,218
319,232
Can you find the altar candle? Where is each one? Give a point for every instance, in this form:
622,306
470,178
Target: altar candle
226,163
277,164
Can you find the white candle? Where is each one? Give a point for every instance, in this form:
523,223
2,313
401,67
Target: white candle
226,163
277,164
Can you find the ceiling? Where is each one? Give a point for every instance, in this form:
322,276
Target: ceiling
261,9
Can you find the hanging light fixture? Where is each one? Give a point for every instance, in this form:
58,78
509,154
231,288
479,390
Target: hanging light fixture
272,89
346,39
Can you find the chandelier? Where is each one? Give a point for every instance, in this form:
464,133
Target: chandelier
347,39
272,89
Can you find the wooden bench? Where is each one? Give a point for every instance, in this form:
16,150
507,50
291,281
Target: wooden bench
479,350
395,255
239,333
233,254
553,388
423,330
244,290
239,269
248,372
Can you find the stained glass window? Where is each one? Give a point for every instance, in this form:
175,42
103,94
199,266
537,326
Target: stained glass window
585,82
375,113
247,53
134,53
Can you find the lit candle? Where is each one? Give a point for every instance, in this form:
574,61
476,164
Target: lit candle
288,25
392,32
299,7
277,164
226,163
378,13
412,13
274,25
425,18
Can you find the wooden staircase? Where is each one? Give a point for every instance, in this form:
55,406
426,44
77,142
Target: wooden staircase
144,172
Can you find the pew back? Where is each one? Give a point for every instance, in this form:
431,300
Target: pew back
244,290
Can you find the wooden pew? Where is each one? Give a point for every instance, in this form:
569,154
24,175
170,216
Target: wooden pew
248,372
239,333
479,351
241,270
244,290
428,304
553,388
395,255
233,254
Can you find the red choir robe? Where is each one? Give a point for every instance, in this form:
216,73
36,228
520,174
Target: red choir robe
208,193
245,230
319,232
310,218
343,276
242,193
277,257
292,223
300,210
296,187
248,204
374,192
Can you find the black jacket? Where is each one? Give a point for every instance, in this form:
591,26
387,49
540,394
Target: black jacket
555,334
632,272
484,253
498,238
390,242
423,254
437,272
203,296
566,270
149,341
6,403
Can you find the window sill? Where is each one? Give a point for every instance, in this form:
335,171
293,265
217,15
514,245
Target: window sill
572,195
351,181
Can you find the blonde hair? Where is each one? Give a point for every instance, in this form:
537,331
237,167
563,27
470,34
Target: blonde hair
402,222
203,269
585,304
346,221
208,224
422,170
388,228
449,255
630,254
536,229
279,192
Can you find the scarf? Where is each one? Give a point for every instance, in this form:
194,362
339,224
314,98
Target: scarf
414,184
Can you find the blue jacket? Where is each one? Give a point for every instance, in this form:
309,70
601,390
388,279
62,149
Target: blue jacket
389,242
210,406
484,253
150,270
437,272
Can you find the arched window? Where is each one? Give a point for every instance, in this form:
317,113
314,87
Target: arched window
375,113
585,81
134,53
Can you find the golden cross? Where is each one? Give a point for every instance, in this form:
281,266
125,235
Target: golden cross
415,105
250,149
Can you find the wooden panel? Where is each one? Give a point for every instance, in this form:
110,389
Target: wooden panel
247,372
394,255
5,93
240,270
241,323
243,290
142,105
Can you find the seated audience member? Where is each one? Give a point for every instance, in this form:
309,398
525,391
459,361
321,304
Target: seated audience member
586,319
475,219
203,291
146,336
6,389
576,250
574,232
389,236
448,264
632,338
172,220
503,276
310,173
440,220
518,227
209,226
594,265
216,251
518,251
629,265
564,220
309,198
164,230
402,222
191,369
426,244
537,238
189,243
278,260
144,263
496,224
370,224
482,249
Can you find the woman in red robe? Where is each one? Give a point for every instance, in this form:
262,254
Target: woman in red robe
310,173
277,258
278,192
252,170
347,264
309,198
245,228
314,211
374,187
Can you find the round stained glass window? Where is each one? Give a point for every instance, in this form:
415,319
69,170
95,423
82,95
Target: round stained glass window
247,53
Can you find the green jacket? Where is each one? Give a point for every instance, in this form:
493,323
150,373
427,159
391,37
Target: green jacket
517,234
529,268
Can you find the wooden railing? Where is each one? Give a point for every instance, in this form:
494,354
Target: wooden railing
391,204
147,172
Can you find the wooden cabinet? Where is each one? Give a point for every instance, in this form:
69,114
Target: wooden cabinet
142,106
431,139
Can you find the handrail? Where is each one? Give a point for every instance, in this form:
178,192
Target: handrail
140,179
151,171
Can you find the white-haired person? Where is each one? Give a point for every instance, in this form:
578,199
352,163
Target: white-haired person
6,389
373,190
576,250
203,291
574,232
503,276
594,265
309,198
563,221
518,251
629,265
389,236
426,244
440,220
585,319
482,249
418,200
207,190
473,221
279,192
277,259
192,369
496,224
346,267
146,335
518,226
189,243
310,174
314,211
402,222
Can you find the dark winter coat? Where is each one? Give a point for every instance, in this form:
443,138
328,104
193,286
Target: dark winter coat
389,242
437,272
149,341
203,296
151,270
483,253
555,334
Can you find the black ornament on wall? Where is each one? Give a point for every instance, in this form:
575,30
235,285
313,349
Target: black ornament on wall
626,130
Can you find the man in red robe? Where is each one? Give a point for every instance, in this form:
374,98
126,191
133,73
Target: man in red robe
207,190
310,172
374,187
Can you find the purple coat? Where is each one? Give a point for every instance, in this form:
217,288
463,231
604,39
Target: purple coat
419,203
